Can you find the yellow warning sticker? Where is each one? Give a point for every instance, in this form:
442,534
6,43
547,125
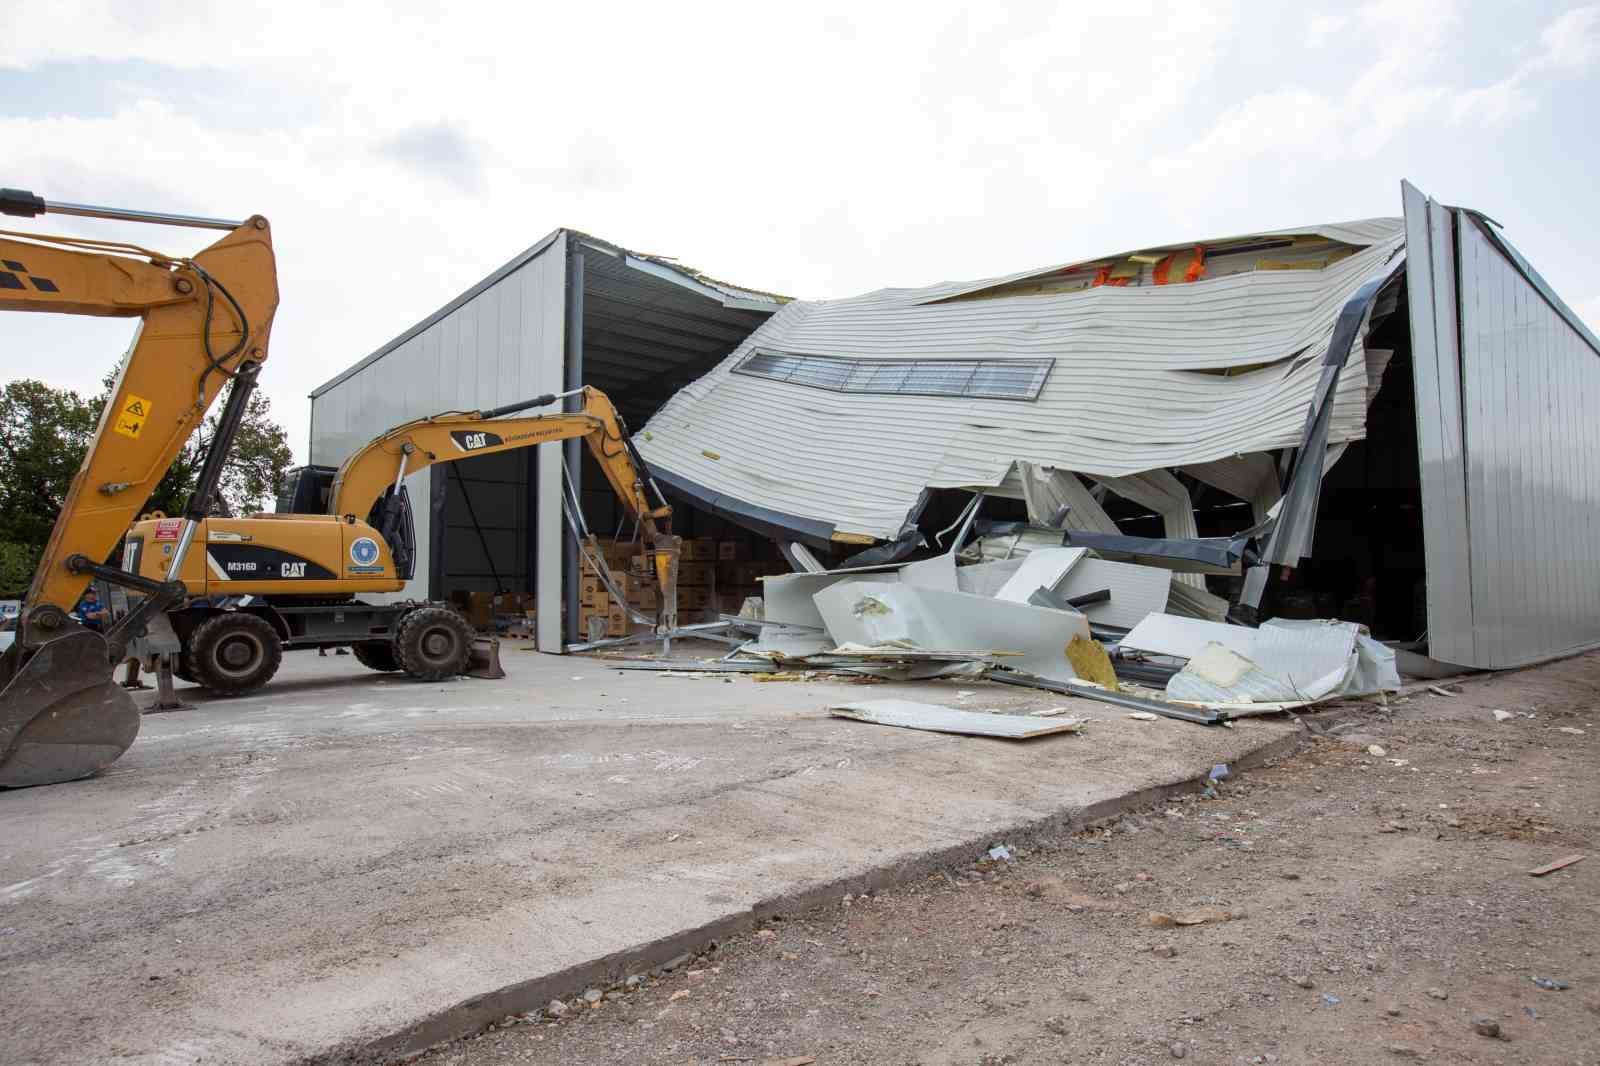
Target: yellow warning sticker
134,414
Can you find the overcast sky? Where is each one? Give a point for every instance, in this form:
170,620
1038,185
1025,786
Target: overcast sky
404,151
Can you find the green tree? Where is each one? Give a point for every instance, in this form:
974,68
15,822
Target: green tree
44,433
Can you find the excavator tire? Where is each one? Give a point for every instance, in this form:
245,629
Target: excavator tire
433,643
62,716
376,655
234,653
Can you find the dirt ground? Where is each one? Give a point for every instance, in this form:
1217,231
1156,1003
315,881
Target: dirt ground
1377,882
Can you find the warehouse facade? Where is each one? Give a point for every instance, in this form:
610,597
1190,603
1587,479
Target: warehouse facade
572,309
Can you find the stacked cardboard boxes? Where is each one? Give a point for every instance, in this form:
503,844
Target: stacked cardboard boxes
507,613
715,576
595,600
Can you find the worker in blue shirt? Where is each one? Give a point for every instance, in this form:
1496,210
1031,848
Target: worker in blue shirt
90,611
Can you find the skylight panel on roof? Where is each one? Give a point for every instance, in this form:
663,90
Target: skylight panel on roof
993,379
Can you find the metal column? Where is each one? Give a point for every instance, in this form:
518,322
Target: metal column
573,448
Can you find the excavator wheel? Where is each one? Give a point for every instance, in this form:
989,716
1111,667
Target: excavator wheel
62,716
234,653
376,655
433,643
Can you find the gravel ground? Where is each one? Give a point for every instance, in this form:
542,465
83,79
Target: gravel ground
1366,899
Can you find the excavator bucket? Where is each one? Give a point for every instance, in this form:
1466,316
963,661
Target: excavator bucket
483,660
62,716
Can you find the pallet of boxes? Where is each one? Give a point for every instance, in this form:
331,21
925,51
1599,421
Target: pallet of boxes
715,577
505,614
600,614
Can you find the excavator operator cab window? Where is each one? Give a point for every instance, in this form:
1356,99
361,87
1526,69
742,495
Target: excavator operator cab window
306,490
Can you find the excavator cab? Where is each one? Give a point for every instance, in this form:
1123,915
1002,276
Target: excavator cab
306,490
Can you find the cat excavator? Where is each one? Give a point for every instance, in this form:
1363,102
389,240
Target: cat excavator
204,322
264,583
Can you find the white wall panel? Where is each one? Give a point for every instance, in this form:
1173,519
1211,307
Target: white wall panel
1507,383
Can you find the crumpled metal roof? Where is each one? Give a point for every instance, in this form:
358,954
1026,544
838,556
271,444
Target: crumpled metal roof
1137,384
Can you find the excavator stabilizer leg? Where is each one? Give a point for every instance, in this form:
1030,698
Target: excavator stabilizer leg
483,659
62,715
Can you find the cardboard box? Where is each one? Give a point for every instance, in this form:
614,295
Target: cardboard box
617,620
591,592
585,614
641,564
697,575
732,551
700,550
644,596
478,607
729,602
693,599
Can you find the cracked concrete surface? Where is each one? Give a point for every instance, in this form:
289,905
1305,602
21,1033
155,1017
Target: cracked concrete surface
350,863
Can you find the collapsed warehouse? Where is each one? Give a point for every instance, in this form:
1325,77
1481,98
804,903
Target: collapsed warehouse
1382,421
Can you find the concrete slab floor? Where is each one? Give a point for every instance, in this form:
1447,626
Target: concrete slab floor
352,863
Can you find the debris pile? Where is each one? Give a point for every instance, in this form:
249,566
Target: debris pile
1047,616
1063,619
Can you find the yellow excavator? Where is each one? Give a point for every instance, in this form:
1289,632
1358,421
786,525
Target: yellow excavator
268,582
204,323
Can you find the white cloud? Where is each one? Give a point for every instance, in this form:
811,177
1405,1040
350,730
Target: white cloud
1572,42
1406,79
1321,27
1508,98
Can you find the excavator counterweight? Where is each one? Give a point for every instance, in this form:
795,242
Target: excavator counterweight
204,322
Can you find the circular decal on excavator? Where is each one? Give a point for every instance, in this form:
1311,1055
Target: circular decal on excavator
364,551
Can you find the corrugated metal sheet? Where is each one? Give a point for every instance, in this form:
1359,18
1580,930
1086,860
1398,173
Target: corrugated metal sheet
1507,386
1134,388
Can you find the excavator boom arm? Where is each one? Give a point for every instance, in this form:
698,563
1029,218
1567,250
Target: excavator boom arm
203,322
414,446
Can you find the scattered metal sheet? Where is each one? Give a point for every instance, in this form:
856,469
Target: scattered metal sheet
1184,638
1190,602
1221,675
792,641
688,666
905,653
1136,591
908,714
1285,662
987,578
881,613
1198,555
1043,597
787,598
1045,568
1199,716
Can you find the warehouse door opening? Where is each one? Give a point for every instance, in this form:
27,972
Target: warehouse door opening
649,329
